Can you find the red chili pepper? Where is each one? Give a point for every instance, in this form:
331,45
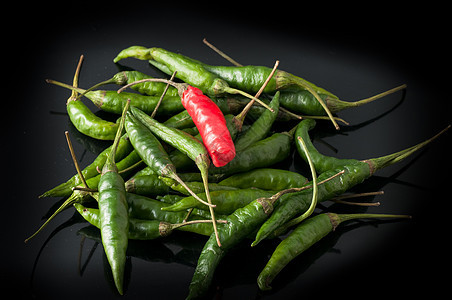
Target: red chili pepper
211,124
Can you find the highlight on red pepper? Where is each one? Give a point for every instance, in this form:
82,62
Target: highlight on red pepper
211,124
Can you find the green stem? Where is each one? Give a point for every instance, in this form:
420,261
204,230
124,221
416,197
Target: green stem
384,161
378,96
181,182
76,197
302,83
109,81
241,116
337,219
110,162
230,90
72,88
313,204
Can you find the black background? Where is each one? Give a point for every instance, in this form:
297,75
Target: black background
353,52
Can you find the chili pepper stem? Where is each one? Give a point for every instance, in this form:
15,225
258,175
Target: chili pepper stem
384,161
337,219
303,84
163,95
240,118
338,105
74,159
314,183
73,88
221,53
178,225
74,198
108,81
174,176
110,164
230,90
204,176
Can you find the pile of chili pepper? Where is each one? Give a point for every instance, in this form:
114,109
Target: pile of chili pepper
201,155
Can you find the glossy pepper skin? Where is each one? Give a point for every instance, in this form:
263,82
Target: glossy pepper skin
140,229
147,88
265,178
322,163
240,224
261,154
226,201
149,148
293,204
113,213
303,237
260,128
211,124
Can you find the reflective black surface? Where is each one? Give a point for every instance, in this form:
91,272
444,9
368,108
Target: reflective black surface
347,56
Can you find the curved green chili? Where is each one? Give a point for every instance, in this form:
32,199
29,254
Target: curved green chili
83,118
321,162
302,238
354,173
113,213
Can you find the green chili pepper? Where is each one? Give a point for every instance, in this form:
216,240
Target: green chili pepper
354,173
144,208
251,79
83,119
261,154
151,151
197,187
226,202
189,71
182,161
185,143
111,101
260,128
321,162
147,88
240,225
303,102
228,105
142,229
113,213
147,185
266,179
302,238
